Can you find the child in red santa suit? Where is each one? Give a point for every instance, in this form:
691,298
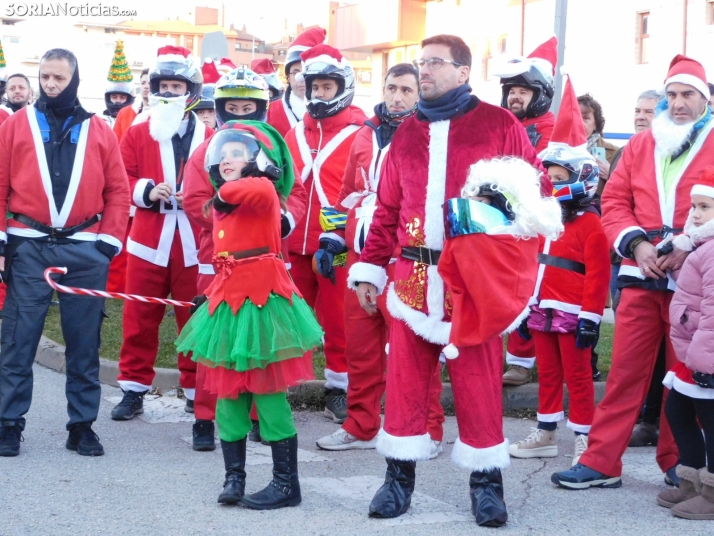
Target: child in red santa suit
690,403
570,293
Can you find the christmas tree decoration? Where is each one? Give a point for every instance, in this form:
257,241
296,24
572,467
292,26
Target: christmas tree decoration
119,81
3,65
120,71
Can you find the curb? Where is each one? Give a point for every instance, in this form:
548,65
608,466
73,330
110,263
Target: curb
525,397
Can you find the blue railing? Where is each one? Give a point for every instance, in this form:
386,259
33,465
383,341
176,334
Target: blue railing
617,136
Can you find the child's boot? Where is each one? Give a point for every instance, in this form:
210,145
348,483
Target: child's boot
234,460
689,487
284,490
700,507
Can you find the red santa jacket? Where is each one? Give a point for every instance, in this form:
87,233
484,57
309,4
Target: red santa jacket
281,117
427,164
584,242
98,183
5,113
149,162
539,130
320,149
634,201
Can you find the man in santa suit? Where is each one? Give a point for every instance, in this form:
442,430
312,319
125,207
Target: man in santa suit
127,115
427,164
645,202
320,146
367,335
18,94
162,244
527,91
237,93
64,198
288,111
264,68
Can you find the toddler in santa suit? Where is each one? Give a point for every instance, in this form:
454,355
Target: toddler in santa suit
254,329
690,403
570,293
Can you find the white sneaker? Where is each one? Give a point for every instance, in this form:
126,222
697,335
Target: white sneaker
539,444
581,444
436,449
341,440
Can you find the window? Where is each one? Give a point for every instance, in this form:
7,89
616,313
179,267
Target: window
486,61
189,42
503,44
10,39
237,46
643,37
710,12
281,53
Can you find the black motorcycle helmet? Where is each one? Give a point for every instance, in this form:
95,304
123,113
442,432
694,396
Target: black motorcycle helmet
534,80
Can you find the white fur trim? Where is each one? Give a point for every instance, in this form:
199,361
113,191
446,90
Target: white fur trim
291,220
683,242
622,234
525,362
692,390
172,58
451,351
323,58
690,80
629,270
436,186
189,393
363,272
3,236
335,380
429,327
409,448
701,233
550,417
135,387
206,269
703,189
474,459
139,189
517,322
561,306
590,316
580,428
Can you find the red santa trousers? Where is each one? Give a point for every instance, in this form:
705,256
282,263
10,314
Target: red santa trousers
205,402
367,337
142,320
117,268
476,382
520,351
641,321
3,293
328,300
559,359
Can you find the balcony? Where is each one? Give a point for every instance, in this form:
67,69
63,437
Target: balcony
374,25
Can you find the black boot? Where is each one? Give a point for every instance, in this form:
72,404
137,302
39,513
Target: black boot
284,490
234,460
254,434
395,495
487,504
204,435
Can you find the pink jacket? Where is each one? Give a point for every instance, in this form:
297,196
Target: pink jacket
691,311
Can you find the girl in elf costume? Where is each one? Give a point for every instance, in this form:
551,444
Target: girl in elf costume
253,328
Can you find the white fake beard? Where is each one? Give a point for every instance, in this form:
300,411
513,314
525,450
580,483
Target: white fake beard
298,106
166,116
669,136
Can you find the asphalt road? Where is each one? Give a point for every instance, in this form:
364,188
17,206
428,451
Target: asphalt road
150,481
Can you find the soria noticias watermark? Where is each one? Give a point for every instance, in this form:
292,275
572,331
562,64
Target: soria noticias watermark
58,9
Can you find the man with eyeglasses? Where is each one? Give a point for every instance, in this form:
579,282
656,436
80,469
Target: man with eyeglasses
428,162
288,111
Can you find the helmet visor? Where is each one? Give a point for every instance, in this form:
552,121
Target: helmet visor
230,149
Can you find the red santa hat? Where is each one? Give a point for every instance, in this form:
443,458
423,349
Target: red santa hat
548,52
262,66
705,183
544,58
209,71
225,66
304,41
692,234
322,54
688,71
171,53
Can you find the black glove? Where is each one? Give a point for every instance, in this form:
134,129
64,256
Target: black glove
523,330
222,206
703,380
197,302
105,248
285,226
325,256
587,334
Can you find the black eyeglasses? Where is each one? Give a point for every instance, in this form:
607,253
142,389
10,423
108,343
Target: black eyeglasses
435,63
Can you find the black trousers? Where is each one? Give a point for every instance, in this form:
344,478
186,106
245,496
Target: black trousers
695,449
28,299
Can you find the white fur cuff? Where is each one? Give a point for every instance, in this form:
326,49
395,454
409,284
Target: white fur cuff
409,448
474,459
363,272
683,242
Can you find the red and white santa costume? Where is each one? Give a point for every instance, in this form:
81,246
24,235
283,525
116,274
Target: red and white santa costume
163,256
5,114
635,202
428,162
320,149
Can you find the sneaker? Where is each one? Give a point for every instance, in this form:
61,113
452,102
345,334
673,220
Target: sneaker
437,448
539,444
517,375
204,438
581,444
84,441
188,408
671,478
582,477
10,439
130,406
341,440
336,405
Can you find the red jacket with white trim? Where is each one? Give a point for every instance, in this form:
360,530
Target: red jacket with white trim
98,185
280,117
149,162
320,149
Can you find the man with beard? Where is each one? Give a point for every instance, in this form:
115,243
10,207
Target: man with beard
65,193
128,114
528,88
17,95
162,243
288,111
366,335
645,202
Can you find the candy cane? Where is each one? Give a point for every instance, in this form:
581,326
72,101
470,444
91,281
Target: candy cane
104,294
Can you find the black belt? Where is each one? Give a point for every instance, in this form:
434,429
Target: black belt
560,262
422,255
661,233
55,232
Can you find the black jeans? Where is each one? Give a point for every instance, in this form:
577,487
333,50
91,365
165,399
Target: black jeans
695,450
26,305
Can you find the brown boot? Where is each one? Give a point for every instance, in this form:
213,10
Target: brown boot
517,375
689,486
644,435
700,507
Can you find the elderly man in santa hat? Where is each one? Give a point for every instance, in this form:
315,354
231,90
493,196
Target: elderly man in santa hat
646,202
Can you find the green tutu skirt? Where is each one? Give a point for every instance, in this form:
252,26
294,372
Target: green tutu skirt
254,337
